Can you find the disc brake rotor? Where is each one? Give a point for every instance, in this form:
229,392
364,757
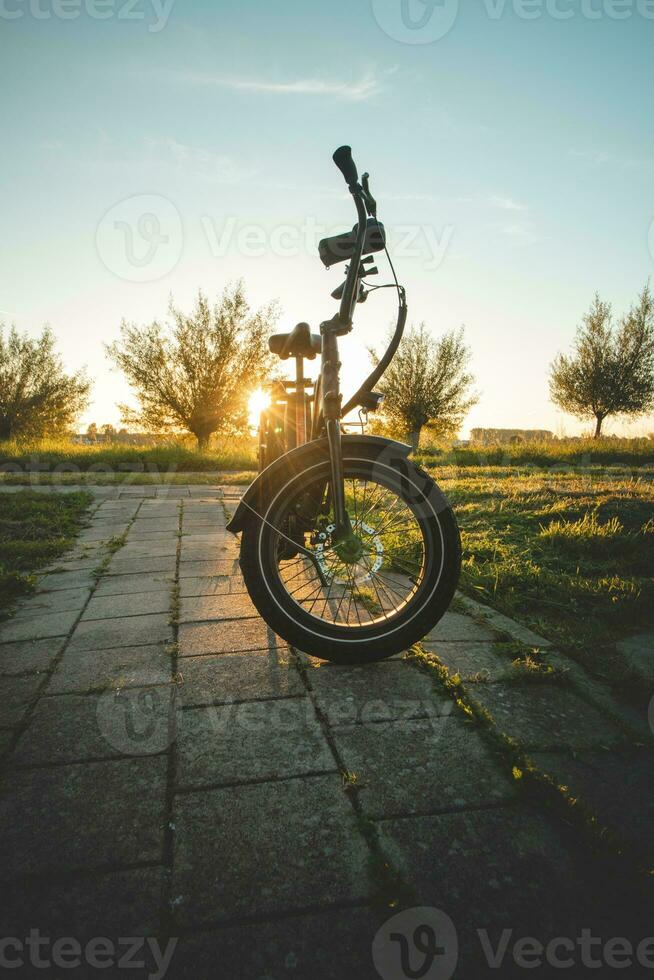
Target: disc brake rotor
360,571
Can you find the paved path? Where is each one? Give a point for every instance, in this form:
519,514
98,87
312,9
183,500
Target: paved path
173,769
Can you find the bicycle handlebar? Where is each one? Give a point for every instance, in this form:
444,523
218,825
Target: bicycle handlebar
342,157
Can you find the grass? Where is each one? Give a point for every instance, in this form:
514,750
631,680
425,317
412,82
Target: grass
65,461
92,478
35,529
569,554
574,452
61,457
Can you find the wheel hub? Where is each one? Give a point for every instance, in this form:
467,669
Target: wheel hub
363,571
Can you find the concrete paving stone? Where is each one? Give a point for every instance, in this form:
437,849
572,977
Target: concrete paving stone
155,525
97,814
206,535
390,691
201,552
104,634
63,600
115,904
38,627
333,945
421,766
7,736
126,493
252,740
295,841
231,677
638,650
455,626
16,695
498,621
151,538
214,585
469,659
491,870
26,656
59,581
619,788
200,523
545,716
78,728
82,564
102,531
208,569
205,491
172,493
91,670
137,536
218,607
129,584
122,564
119,606
149,549
227,636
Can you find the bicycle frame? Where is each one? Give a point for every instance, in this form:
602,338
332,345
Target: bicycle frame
304,422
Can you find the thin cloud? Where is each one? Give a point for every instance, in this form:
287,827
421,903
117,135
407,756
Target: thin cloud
506,203
358,91
599,158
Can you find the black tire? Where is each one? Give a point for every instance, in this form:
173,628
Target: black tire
368,643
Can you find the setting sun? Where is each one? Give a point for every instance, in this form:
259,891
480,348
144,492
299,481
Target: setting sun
258,401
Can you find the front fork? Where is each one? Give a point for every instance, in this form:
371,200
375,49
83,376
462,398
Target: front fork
331,406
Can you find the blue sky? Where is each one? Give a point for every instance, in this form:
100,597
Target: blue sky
513,159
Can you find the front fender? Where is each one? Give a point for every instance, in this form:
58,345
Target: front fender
298,459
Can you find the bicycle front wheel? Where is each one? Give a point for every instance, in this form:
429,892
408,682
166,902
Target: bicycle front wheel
372,596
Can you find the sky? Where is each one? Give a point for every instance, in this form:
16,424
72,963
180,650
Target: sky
155,147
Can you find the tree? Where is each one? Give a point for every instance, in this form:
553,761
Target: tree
611,370
37,397
108,431
427,384
195,374
92,432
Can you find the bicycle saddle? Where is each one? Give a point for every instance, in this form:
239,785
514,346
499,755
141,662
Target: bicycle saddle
300,342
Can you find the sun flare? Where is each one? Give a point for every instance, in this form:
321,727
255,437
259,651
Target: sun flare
259,400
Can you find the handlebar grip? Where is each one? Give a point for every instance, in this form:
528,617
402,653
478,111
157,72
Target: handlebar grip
343,160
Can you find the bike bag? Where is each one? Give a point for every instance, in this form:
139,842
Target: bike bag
339,248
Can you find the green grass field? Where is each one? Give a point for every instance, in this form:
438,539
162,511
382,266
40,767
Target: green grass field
110,461
102,460
35,528
570,554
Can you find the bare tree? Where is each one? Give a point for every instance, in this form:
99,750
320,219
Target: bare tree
427,384
196,373
37,397
611,370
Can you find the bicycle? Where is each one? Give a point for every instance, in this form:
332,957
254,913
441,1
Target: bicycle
349,550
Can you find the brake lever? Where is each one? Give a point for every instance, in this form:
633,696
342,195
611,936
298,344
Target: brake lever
370,202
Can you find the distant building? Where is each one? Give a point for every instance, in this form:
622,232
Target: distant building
509,437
